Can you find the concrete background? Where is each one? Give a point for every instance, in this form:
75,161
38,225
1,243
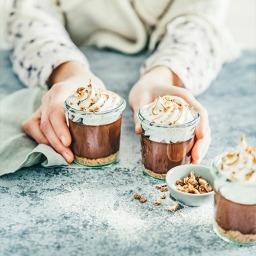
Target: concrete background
64,211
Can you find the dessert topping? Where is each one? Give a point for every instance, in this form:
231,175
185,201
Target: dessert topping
239,163
91,98
168,110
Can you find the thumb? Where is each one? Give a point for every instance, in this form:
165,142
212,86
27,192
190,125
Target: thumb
137,125
136,104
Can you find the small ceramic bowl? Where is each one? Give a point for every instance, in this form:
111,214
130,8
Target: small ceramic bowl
179,173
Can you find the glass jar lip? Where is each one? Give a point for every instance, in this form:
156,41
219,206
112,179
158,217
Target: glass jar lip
215,163
121,107
185,125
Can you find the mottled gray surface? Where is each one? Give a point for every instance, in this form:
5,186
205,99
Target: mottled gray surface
91,212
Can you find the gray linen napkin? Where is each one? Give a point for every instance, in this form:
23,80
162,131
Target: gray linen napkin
16,149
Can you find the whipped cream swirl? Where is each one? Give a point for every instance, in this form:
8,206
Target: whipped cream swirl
91,98
91,105
240,163
168,110
169,119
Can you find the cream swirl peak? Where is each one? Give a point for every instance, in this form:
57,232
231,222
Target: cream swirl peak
92,98
168,110
240,163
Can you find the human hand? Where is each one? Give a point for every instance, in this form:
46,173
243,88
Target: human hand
48,125
158,82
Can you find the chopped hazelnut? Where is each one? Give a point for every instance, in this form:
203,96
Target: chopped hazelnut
163,196
157,202
202,182
202,190
195,191
143,200
164,189
137,196
186,180
180,182
159,187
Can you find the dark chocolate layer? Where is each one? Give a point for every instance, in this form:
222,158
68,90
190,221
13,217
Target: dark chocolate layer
234,216
161,157
94,142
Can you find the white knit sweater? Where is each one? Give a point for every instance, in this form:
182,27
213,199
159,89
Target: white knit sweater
193,40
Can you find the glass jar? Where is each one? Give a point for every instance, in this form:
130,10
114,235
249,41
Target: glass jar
95,135
234,208
164,147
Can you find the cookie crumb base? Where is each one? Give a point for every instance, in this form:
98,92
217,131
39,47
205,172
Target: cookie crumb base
97,162
160,176
235,236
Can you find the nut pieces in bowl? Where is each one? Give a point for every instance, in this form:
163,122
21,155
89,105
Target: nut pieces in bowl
193,184
186,187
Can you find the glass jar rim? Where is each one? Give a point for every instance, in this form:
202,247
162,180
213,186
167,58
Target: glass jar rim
120,107
185,125
215,166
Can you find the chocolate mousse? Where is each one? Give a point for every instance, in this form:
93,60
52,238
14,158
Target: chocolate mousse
235,194
168,127
161,157
94,117
95,145
234,220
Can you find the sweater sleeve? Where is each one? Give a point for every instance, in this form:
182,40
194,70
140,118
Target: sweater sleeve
193,46
39,40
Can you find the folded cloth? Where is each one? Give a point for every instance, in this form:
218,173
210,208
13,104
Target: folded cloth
17,150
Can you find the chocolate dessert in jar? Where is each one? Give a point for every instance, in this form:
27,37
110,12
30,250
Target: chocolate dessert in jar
94,118
168,134
235,195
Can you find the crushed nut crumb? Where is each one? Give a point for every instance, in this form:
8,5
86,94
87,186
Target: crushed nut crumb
181,215
172,207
